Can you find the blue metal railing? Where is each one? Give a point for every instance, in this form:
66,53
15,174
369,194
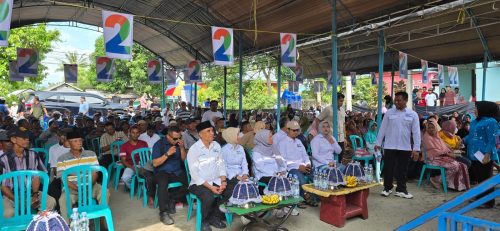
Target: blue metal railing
443,210
452,221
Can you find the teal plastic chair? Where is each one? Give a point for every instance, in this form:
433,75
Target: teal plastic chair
144,157
249,152
193,198
38,143
357,143
95,145
45,154
85,201
22,187
114,149
428,166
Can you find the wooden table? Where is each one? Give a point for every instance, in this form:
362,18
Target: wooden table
343,203
255,214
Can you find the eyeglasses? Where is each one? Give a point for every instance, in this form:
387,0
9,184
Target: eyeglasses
175,139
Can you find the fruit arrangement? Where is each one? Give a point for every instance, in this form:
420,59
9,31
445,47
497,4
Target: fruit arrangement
270,199
351,181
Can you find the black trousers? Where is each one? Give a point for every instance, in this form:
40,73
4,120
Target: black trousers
341,155
209,202
483,172
229,189
164,196
396,165
150,181
265,180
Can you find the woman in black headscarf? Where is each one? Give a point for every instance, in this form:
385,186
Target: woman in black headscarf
482,138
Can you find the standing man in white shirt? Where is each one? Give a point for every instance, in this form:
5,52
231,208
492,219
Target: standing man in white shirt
208,176
430,98
150,136
213,113
84,107
399,127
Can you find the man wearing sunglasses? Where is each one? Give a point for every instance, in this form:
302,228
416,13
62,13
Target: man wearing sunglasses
168,154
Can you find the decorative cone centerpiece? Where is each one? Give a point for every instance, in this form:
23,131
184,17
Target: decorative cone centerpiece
280,185
245,193
354,169
48,221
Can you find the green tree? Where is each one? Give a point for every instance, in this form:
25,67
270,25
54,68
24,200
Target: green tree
128,74
72,57
34,36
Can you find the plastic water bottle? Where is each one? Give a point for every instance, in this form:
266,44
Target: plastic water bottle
296,184
370,174
324,181
365,170
84,222
74,225
315,179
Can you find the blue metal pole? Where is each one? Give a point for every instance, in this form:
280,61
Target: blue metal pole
240,54
335,124
485,67
381,46
278,110
195,95
225,93
191,93
162,84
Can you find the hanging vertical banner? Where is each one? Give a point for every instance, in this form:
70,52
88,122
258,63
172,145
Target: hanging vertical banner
70,73
339,79
171,76
222,43
353,78
441,75
194,71
27,62
118,34
288,44
403,65
374,78
299,73
14,73
154,71
318,86
104,69
293,86
425,71
329,81
5,17
453,76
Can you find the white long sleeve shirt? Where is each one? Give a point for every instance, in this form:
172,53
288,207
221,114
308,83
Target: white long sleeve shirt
293,152
209,115
397,129
278,137
323,151
151,140
235,160
265,165
206,164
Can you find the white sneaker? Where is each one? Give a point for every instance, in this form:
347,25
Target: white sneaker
245,220
386,193
403,195
279,213
295,211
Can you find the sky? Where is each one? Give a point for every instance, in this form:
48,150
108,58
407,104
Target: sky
72,39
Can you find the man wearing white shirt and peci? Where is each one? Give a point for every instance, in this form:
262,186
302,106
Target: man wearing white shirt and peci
213,113
399,127
208,175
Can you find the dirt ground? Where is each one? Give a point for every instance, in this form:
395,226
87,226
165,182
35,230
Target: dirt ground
384,213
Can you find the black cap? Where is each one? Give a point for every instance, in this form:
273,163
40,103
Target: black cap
17,132
203,125
73,135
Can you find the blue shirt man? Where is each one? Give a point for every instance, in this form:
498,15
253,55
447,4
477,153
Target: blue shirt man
84,107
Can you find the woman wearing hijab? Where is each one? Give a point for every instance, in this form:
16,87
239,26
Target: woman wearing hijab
234,159
439,154
454,142
247,140
371,137
267,161
482,138
324,147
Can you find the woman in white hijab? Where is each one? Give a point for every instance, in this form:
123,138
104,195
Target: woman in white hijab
266,160
234,159
324,147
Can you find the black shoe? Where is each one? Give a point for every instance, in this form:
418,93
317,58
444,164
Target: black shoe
205,226
217,223
166,219
171,207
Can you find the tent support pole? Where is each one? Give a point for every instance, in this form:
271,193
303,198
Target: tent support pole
381,47
334,70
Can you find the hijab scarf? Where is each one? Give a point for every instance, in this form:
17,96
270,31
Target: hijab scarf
449,128
371,135
230,135
488,109
262,145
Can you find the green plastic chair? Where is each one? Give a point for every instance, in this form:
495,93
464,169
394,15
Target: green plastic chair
430,167
38,143
114,149
357,143
45,155
22,187
85,201
193,198
144,157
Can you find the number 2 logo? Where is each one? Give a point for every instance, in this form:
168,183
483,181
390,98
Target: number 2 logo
224,47
286,58
4,12
114,45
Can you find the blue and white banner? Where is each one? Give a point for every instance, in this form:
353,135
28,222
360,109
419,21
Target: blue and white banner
104,69
353,78
293,86
27,62
299,73
5,18
403,65
194,71
118,30
288,44
171,76
222,43
70,73
425,71
441,75
453,76
318,86
154,71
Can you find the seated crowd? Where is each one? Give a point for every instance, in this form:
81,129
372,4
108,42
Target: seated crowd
209,155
